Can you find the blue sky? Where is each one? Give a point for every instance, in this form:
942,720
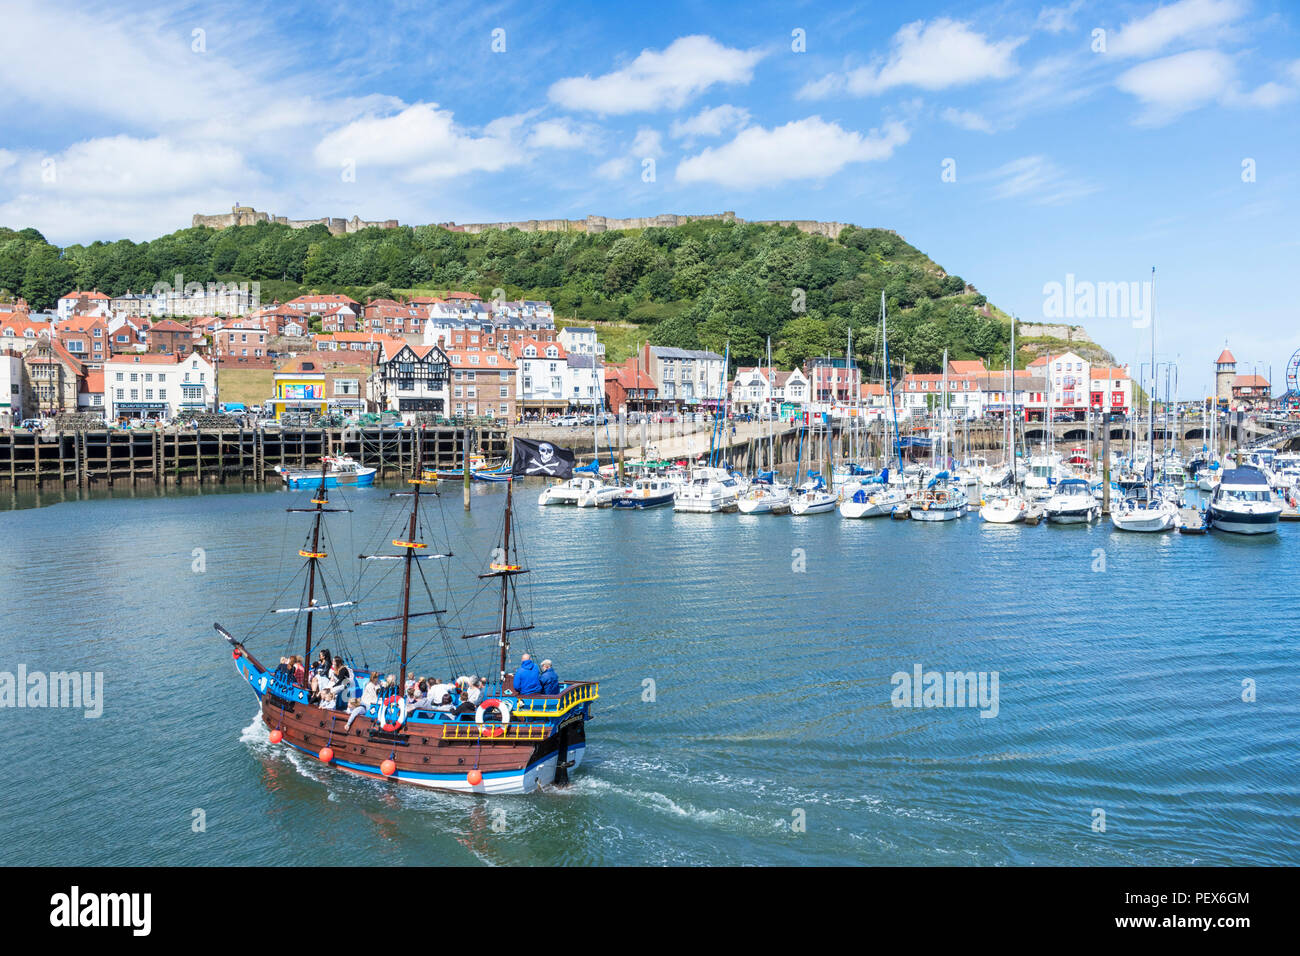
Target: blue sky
1092,140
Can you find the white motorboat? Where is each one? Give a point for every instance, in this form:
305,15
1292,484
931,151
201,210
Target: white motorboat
1072,503
568,492
601,495
1008,508
709,490
1244,504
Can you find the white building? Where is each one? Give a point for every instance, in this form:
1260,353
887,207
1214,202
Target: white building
583,380
581,340
539,379
155,385
13,394
1070,382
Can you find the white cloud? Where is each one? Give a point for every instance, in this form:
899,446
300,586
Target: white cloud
648,142
1038,180
1058,19
932,56
1175,21
802,149
616,168
1175,84
967,120
657,80
559,134
422,143
710,121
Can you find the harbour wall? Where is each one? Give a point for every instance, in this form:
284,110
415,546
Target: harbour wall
113,458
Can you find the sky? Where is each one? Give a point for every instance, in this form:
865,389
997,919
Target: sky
1044,152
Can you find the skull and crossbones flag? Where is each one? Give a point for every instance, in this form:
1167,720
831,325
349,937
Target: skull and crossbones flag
541,459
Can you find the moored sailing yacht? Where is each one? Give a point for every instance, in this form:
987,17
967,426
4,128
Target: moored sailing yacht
511,743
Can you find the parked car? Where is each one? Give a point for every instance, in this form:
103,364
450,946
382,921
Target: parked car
33,424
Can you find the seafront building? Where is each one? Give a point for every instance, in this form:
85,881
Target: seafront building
148,385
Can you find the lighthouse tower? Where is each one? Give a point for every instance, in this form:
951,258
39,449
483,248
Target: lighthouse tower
1225,370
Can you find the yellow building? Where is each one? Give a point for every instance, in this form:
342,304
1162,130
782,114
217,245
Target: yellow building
300,387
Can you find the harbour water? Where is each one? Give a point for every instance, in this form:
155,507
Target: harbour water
745,707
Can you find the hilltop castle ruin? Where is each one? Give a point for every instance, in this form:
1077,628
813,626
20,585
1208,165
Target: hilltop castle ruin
248,216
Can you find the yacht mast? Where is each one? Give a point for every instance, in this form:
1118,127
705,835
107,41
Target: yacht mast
889,384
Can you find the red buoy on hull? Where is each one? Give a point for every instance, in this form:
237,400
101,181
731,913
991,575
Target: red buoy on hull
276,736
326,754
474,778
388,767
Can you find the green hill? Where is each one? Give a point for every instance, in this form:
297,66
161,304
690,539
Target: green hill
699,285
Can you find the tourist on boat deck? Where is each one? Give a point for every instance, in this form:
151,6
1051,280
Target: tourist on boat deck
282,669
527,680
299,672
369,695
466,707
340,684
327,700
440,695
550,679
473,691
323,660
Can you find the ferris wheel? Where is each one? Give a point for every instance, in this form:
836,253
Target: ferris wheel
1292,396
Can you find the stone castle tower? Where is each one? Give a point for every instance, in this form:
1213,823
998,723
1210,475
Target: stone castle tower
1225,370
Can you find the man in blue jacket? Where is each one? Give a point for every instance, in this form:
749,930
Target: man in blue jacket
527,680
550,679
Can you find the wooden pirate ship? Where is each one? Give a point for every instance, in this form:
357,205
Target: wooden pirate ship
509,743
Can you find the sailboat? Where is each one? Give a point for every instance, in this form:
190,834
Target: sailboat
1008,507
879,498
511,743
1143,509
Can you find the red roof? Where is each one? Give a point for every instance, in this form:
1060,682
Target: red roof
460,358
517,349
1225,358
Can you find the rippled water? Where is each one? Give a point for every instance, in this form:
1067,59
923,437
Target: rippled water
1120,661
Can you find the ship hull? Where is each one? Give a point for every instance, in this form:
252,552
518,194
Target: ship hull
422,755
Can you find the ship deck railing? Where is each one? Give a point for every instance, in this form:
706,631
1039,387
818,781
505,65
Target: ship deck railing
508,733
555,705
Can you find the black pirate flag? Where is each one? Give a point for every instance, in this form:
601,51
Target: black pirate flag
541,459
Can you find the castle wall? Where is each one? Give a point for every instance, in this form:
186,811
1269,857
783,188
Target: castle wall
247,216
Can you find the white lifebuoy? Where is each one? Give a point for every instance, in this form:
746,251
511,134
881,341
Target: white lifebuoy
502,705
381,717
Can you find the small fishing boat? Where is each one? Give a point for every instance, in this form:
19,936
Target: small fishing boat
1072,503
650,492
340,471
1243,503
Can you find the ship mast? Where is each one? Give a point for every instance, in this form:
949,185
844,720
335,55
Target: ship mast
312,557
505,584
410,545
